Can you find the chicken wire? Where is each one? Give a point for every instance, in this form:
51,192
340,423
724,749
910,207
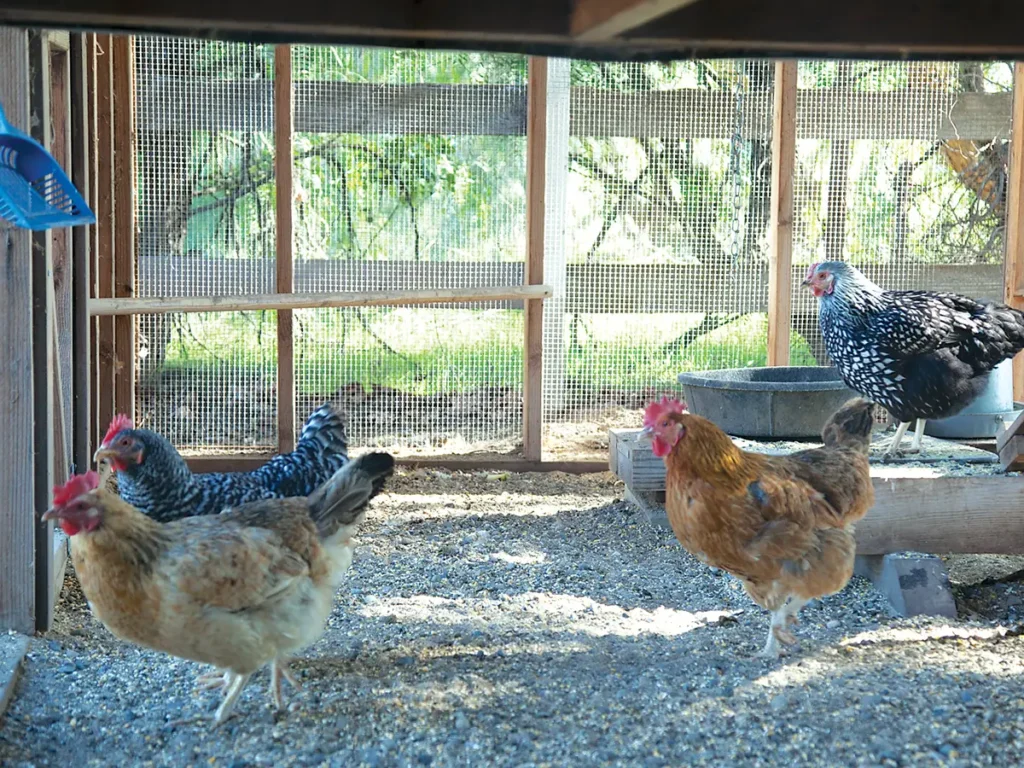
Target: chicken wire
660,265
410,175
206,227
896,174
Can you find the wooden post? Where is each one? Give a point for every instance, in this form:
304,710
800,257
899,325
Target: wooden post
780,255
104,211
81,252
123,48
533,311
1013,263
17,465
284,120
42,347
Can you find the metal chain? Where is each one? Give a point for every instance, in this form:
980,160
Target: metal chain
735,155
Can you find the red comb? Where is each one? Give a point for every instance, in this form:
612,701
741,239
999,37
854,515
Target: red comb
119,423
660,407
810,270
75,487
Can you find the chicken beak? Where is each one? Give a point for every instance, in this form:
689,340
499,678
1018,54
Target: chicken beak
103,453
646,435
53,513
806,282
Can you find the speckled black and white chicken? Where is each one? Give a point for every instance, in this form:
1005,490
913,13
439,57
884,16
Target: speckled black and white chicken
920,354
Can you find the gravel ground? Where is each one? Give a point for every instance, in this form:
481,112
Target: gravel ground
495,620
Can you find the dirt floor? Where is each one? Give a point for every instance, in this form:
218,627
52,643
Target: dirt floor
537,620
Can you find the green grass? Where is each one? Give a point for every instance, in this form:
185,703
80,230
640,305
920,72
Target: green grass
432,351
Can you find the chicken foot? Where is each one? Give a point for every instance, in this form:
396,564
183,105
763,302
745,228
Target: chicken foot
782,616
901,430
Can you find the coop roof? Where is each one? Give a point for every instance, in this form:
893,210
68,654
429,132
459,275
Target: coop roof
601,29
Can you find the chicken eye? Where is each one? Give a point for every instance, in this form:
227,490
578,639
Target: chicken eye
822,275
125,442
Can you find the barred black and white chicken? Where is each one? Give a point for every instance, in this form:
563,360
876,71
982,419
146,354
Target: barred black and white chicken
154,478
921,355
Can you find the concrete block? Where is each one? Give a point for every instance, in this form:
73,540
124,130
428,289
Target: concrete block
13,648
914,584
651,506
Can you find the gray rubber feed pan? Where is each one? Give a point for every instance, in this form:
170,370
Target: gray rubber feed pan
789,402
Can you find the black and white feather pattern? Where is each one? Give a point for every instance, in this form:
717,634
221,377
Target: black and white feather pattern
921,355
164,488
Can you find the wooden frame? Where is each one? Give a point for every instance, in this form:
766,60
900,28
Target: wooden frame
104,209
595,20
780,253
284,121
123,50
1013,262
81,60
533,317
17,462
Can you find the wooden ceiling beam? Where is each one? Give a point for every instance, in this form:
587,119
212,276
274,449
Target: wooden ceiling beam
596,20
880,29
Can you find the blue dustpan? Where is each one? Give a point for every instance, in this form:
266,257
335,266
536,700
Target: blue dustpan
34,192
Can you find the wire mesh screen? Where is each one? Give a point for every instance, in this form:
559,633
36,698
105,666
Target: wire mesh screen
206,227
410,174
666,216
900,170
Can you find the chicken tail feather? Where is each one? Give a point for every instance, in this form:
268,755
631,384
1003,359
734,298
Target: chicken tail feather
341,499
850,426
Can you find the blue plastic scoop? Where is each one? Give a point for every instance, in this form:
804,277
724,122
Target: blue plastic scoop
34,192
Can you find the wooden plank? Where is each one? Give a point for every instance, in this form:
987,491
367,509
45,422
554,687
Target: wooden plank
469,463
176,104
780,252
17,490
1011,454
1013,260
105,215
595,20
123,49
322,299
43,443
893,29
93,266
963,515
1015,428
283,166
13,649
533,319
81,251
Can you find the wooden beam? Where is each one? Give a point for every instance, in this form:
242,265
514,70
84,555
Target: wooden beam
284,120
962,515
533,320
723,28
206,104
17,466
780,253
81,252
318,300
105,216
123,49
598,20
42,348
1013,260
469,463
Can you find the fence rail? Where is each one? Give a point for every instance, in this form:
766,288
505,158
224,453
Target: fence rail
589,288
174,104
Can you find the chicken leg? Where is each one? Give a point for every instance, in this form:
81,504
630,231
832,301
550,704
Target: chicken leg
235,684
915,447
279,671
894,446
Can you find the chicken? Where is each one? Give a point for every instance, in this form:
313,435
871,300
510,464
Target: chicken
154,478
783,525
238,590
921,355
